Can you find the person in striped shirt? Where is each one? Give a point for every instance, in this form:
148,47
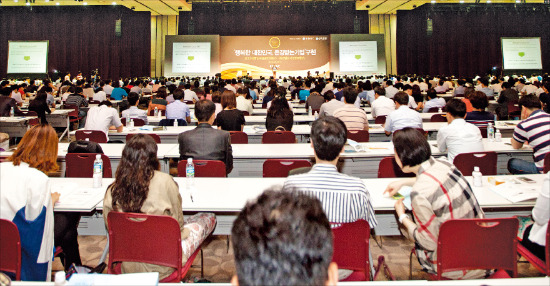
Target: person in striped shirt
344,198
534,129
354,118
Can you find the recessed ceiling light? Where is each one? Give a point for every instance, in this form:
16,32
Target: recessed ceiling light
15,1
57,3
433,1
85,3
28,4
518,1
488,1
461,1
114,3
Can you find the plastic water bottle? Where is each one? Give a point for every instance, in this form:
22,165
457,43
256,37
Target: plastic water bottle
127,118
498,136
156,111
98,171
439,110
12,112
176,122
190,177
131,123
490,132
60,278
477,176
309,111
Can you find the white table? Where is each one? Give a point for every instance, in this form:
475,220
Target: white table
60,118
15,126
227,196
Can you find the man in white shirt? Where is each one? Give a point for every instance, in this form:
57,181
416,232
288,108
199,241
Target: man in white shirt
134,112
409,91
390,89
103,117
403,116
424,85
328,86
381,106
328,108
441,87
137,87
107,88
433,101
189,95
529,88
459,136
243,104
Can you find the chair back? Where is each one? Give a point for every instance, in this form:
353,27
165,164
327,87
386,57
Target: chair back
136,238
27,113
204,168
381,119
156,137
388,168
436,109
91,135
137,121
277,137
483,131
170,122
546,167
351,247
238,137
467,244
10,248
281,167
245,113
80,165
91,101
486,161
438,118
358,135
513,108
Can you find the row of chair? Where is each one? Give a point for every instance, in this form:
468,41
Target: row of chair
463,244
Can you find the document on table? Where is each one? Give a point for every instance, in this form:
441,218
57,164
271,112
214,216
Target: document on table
151,278
75,197
515,192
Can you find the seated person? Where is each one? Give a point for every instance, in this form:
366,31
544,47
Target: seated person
77,99
242,103
441,87
27,201
103,117
479,117
433,101
134,112
279,116
147,190
331,104
508,94
314,100
304,93
118,92
178,109
268,249
40,105
230,118
484,87
436,185
344,198
403,116
158,101
205,142
409,90
7,103
534,129
534,237
459,136
381,106
354,118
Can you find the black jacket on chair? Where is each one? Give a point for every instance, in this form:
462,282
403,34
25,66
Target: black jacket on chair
206,143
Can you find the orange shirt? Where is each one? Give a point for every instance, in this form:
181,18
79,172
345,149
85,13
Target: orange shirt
469,107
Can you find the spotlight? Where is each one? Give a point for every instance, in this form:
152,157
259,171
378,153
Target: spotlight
28,4
433,1
488,1
85,3
57,4
114,3
462,1
518,1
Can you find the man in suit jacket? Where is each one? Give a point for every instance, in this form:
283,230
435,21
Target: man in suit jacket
205,142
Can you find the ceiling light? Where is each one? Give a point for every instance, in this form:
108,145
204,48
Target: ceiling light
488,1
85,3
57,3
461,1
15,1
28,4
47,0
433,1
114,3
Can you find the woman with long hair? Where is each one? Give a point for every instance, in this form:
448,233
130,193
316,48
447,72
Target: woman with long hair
27,201
279,115
418,97
40,105
140,187
158,101
230,118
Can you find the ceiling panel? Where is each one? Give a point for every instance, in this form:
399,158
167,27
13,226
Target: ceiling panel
173,7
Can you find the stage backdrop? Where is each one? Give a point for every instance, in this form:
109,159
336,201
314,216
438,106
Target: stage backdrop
82,38
273,18
465,39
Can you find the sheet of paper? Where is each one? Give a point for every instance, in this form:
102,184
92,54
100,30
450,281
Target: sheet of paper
517,192
77,198
405,192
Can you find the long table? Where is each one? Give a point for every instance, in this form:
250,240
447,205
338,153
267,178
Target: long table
227,196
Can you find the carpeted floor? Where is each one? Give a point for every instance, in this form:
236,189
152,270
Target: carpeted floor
219,265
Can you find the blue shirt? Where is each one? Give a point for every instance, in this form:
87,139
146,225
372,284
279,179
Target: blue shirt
177,110
252,94
304,94
118,93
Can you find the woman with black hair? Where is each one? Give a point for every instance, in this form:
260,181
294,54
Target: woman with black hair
279,115
40,105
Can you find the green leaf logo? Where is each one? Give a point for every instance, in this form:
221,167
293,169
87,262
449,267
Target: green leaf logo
27,58
357,56
521,54
190,58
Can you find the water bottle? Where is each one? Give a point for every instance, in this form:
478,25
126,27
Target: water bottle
477,176
156,111
98,171
498,136
131,123
190,177
310,111
439,110
490,132
12,112
176,122
128,119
